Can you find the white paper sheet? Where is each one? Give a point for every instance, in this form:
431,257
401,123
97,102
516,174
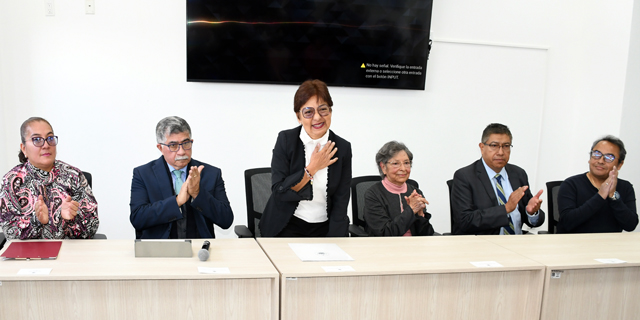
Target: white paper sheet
40,271
319,252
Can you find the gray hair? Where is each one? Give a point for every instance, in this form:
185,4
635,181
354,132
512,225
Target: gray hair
388,151
495,128
617,142
169,126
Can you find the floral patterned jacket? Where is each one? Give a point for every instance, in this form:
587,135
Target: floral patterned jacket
20,190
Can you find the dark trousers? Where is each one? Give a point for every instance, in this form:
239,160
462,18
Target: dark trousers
297,228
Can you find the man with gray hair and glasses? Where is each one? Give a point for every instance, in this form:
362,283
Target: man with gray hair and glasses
175,196
491,196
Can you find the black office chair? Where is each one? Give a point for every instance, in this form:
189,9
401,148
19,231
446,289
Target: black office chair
87,175
359,186
257,185
553,214
450,185
89,178
3,239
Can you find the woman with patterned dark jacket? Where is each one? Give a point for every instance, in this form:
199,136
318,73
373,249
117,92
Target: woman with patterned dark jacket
44,198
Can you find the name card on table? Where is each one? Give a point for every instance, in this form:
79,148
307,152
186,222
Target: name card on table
486,264
611,260
34,272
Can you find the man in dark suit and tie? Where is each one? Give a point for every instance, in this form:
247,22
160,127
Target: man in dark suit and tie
175,196
491,196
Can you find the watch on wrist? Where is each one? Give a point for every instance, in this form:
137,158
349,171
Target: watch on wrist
615,196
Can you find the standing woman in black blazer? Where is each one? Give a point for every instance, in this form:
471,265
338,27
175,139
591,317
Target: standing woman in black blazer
310,172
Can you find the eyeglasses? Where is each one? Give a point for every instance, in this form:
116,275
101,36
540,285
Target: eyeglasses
397,164
39,141
308,112
596,154
495,146
174,147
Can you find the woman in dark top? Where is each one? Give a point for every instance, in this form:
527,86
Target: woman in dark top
310,172
597,201
392,207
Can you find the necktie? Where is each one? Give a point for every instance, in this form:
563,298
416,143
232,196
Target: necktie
502,199
181,224
179,182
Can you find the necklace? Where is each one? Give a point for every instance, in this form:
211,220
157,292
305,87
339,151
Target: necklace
592,182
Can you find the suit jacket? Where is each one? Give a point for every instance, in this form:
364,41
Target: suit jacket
154,207
287,169
474,203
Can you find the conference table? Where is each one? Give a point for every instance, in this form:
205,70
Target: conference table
577,286
408,278
102,279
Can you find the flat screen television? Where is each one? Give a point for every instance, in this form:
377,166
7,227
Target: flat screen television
353,43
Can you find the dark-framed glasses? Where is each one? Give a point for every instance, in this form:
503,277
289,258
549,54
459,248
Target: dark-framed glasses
39,141
596,154
308,112
495,146
174,147
397,164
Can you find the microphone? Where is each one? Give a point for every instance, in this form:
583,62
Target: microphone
203,254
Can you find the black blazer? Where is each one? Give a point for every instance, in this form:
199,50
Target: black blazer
474,203
154,207
287,169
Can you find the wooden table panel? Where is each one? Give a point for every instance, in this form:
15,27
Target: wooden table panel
102,279
408,278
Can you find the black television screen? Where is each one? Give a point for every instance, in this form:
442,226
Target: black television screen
357,43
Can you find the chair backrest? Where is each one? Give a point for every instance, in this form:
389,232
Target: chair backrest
89,179
450,185
257,184
359,186
553,214
3,239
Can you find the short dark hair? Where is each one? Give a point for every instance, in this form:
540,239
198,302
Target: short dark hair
388,151
23,134
307,90
169,126
617,142
495,128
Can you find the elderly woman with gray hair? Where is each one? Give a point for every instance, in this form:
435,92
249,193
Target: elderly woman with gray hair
392,207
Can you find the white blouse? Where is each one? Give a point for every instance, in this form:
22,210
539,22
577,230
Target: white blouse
314,210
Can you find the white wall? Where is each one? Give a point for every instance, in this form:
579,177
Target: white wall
630,130
555,71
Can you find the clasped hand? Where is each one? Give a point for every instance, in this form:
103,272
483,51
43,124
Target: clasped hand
191,187
608,187
417,203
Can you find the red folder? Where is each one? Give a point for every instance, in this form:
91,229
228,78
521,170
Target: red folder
32,250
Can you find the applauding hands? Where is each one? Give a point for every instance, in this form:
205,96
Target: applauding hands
417,203
68,210
608,187
191,187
